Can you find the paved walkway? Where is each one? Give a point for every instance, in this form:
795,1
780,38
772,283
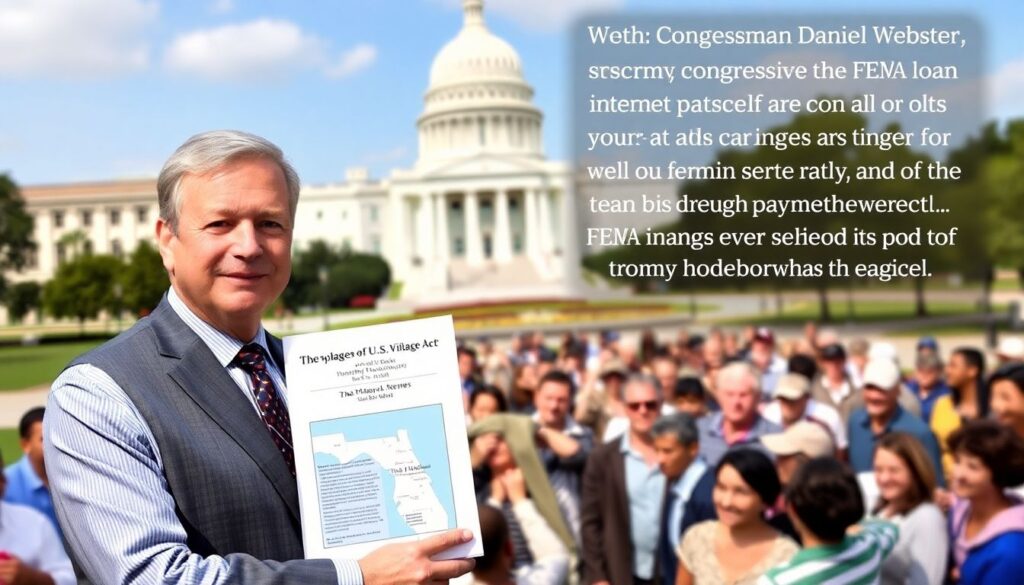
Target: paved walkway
14,403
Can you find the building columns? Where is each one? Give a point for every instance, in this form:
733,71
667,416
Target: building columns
442,245
502,228
474,247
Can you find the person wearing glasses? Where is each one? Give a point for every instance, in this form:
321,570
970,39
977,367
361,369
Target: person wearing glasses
622,496
738,422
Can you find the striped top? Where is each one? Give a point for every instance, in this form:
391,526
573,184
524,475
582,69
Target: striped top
857,560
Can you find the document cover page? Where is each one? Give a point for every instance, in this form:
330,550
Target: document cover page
380,437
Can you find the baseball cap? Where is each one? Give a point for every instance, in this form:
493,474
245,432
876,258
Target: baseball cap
1011,348
792,387
881,373
613,366
833,351
928,342
764,334
802,437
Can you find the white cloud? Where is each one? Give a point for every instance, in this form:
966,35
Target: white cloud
260,51
1005,87
353,61
543,15
222,6
74,38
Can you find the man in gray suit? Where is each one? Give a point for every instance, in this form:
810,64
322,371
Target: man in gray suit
169,448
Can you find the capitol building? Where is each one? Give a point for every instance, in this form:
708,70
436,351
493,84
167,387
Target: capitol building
482,215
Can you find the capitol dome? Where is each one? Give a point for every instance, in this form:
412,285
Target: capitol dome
475,52
477,100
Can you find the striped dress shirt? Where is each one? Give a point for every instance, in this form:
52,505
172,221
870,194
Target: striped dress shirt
118,514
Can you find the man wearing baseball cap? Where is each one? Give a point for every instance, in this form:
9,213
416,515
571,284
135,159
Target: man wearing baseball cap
793,403
800,442
882,414
768,363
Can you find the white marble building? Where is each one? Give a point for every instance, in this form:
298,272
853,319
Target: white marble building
481,215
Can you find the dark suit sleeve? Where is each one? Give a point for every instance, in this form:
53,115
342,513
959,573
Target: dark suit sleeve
700,506
591,520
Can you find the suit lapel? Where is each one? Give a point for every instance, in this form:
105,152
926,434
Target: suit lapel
198,373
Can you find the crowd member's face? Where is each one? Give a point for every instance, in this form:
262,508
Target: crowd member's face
958,372
552,401
690,404
792,410
231,255
880,403
642,407
32,446
501,458
613,387
466,365
927,377
673,456
971,477
667,372
786,466
893,476
833,369
735,502
484,406
761,354
1008,404
737,398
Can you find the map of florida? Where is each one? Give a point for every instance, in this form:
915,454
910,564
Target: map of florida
414,495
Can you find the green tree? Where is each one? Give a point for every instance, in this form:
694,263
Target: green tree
15,226
144,280
347,274
1003,176
83,287
22,298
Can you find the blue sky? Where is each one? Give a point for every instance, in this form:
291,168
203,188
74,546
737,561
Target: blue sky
103,89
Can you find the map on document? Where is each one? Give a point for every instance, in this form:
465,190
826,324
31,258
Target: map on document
383,475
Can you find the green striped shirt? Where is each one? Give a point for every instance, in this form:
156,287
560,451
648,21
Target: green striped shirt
857,560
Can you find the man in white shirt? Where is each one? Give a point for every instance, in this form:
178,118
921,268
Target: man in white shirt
30,551
793,403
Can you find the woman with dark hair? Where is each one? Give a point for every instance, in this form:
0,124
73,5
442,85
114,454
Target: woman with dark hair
825,503
906,482
485,401
967,400
987,523
740,546
1007,389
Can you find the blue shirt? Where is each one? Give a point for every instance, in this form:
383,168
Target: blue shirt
712,440
862,440
928,402
106,473
645,486
24,487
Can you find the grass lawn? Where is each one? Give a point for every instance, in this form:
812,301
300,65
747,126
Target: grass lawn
864,311
24,367
528,314
9,445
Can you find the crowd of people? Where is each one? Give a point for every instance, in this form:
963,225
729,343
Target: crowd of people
725,458
736,457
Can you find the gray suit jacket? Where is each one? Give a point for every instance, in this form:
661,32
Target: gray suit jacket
233,492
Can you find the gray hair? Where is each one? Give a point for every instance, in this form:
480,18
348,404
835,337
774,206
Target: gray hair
207,151
643,380
740,369
680,425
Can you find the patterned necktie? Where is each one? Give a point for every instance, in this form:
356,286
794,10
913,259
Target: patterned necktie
273,411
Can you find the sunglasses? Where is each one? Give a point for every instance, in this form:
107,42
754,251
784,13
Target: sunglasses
647,405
